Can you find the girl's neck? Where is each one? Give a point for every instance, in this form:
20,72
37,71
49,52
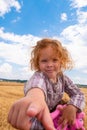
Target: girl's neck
54,80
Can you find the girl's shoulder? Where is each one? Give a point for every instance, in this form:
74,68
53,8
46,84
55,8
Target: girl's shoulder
64,78
67,80
37,75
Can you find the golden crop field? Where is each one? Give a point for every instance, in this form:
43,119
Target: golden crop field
10,92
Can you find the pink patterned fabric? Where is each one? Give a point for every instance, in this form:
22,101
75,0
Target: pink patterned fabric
79,122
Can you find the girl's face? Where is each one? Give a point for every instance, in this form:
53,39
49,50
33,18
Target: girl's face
49,63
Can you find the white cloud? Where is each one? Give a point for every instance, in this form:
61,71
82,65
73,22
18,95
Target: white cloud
79,54
25,72
15,50
16,20
79,80
9,72
45,30
6,5
76,38
80,12
6,68
22,39
14,53
75,34
85,71
82,17
78,3
63,16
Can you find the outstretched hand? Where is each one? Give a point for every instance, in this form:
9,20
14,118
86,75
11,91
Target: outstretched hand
22,110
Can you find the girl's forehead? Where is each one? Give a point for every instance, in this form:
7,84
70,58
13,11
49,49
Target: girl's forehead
48,52
49,48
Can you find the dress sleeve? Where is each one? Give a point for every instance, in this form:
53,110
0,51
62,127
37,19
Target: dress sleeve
36,81
77,98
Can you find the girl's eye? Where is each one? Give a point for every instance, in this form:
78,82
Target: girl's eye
55,60
44,61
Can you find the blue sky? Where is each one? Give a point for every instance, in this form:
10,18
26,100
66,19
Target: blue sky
23,22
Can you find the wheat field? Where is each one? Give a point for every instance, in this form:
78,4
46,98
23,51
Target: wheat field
12,91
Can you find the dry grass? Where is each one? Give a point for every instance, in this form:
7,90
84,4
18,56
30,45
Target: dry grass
10,92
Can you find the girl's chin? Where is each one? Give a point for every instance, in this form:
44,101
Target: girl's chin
51,76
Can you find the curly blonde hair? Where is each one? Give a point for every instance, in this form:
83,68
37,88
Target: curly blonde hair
62,53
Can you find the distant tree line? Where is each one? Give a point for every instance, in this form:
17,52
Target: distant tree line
14,80
81,86
23,81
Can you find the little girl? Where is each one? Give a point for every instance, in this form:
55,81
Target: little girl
45,89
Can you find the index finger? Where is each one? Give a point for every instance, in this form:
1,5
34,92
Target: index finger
47,120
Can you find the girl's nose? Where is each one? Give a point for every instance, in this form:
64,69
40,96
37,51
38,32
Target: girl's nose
50,64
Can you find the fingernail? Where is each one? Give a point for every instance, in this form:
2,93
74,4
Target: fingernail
32,109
